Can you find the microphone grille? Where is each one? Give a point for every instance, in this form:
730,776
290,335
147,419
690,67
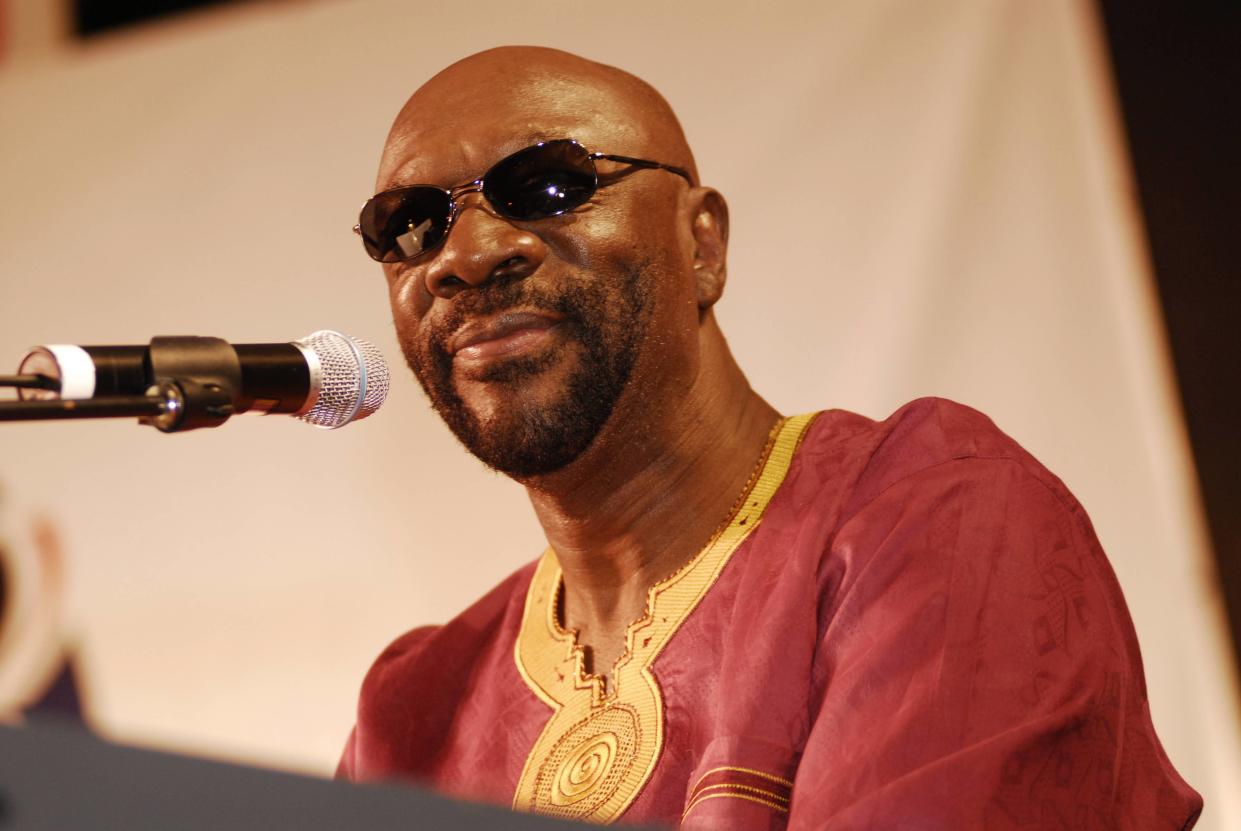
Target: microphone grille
352,379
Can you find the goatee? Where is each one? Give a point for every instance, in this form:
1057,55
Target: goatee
606,318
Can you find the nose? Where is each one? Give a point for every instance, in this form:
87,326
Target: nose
482,246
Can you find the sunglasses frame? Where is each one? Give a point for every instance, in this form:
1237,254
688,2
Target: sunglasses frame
479,186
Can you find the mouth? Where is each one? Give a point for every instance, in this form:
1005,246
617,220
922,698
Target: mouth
508,335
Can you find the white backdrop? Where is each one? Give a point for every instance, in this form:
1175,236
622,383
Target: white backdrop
927,198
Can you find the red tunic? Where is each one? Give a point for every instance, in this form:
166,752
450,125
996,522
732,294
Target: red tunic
917,630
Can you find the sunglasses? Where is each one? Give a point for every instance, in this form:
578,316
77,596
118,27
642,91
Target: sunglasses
547,179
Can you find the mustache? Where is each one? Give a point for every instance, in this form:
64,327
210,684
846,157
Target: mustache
492,299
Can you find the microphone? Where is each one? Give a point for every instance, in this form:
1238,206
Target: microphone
327,379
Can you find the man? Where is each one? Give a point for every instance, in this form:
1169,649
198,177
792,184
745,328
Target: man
742,620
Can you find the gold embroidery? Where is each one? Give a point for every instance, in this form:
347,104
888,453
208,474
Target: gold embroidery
579,774
599,747
769,776
588,764
781,798
775,796
757,799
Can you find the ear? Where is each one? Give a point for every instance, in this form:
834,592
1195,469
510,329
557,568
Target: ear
710,231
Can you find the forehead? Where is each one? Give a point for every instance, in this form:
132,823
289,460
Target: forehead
451,134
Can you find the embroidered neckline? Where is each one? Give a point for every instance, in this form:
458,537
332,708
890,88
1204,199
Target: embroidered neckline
599,747
597,681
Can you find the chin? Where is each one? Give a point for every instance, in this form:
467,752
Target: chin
538,428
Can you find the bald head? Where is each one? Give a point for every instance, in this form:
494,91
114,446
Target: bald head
520,94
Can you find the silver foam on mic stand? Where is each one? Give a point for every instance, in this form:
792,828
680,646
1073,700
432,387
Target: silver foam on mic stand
348,379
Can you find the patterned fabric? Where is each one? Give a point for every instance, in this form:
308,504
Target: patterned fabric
601,746
740,783
922,632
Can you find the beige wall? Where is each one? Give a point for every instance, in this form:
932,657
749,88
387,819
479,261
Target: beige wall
928,198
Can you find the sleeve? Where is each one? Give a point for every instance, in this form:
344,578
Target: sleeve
382,714
979,668
344,769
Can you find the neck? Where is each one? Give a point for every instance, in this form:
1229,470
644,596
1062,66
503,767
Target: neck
646,497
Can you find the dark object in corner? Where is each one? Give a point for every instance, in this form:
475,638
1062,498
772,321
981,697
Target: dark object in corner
92,17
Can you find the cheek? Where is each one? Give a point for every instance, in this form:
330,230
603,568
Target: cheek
650,249
621,235
409,302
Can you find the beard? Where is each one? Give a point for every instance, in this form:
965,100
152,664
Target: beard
607,320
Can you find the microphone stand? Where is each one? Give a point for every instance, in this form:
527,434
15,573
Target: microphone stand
119,406
173,406
197,381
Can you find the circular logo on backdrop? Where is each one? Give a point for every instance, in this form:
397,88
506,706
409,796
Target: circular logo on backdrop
588,763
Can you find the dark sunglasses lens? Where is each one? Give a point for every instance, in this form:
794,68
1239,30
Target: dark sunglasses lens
400,224
541,181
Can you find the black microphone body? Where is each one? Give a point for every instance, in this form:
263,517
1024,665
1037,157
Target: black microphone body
275,377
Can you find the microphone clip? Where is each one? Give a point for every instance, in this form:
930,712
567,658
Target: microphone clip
197,379
186,404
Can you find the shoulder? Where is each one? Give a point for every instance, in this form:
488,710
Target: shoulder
930,431
929,455
414,692
442,650
932,438
934,483
947,512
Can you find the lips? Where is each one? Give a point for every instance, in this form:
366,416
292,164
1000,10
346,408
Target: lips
504,334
